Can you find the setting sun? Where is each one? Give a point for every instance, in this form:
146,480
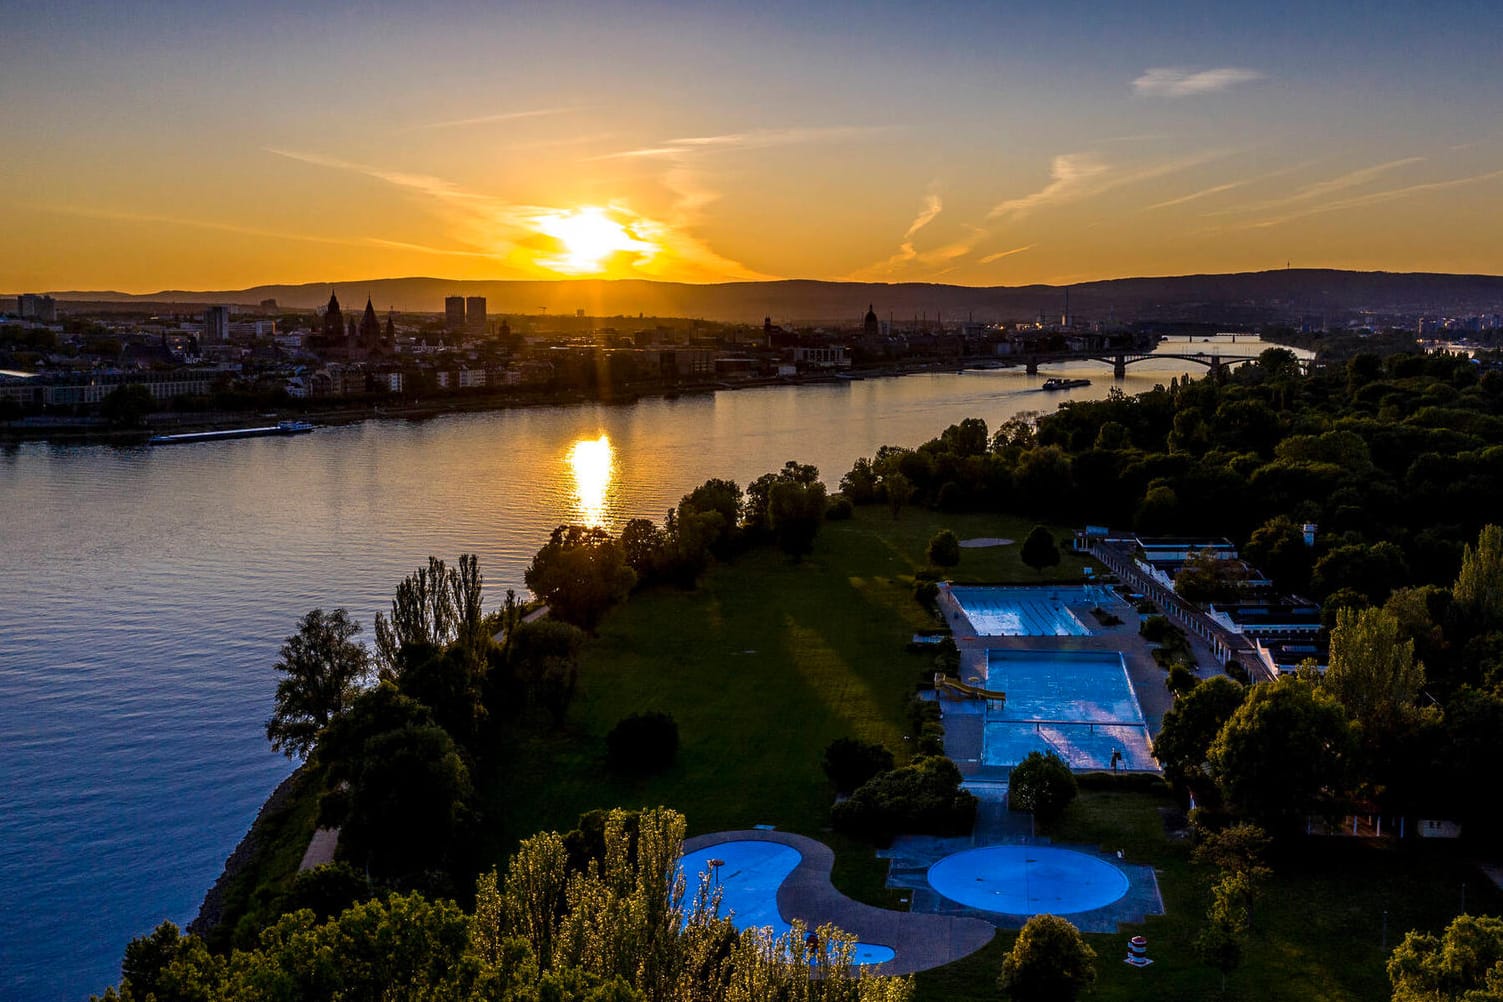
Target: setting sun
589,237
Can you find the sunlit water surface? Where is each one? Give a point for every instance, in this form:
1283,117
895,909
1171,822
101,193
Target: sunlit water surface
144,593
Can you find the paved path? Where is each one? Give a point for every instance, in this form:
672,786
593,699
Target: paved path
919,941
320,848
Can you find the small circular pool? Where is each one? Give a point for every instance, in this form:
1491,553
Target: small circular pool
1028,880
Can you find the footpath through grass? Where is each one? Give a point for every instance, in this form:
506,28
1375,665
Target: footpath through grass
762,666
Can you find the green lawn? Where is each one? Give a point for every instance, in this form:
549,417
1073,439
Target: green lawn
1318,927
761,666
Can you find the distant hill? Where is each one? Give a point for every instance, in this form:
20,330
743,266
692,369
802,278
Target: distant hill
1250,297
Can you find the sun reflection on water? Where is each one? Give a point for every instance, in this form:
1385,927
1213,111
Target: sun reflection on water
593,462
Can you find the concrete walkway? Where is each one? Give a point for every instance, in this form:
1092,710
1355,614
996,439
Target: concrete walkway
919,941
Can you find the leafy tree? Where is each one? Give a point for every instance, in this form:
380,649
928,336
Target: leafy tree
642,542
1372,672
126,406
849,762
542,669
1465,964
1372,571
581,573
168,966
326,890
944,549
755,511
1207,578
1478,591
898,490
723,498
1283,753
1048,962
642,743
1041,784
1277,548
1044,480
1218,945
1238,851
406,804
324,671
795,513
435,606
1039,550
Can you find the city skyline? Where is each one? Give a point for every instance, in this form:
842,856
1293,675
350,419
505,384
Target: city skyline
209,147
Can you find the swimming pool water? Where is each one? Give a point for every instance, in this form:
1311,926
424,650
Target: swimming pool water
1028,880
1080,705
749,877
1023,612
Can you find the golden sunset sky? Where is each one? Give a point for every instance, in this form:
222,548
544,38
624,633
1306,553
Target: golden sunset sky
215,146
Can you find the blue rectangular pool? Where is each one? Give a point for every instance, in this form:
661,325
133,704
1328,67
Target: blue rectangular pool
1025,612
1079,705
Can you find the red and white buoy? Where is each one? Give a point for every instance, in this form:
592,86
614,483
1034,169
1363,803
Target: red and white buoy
1137,952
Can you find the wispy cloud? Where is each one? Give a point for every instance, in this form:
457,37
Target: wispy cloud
752,139
504,116
1195,196
1377,198
1318,190
1074,177
1169,81
1007,253
126,216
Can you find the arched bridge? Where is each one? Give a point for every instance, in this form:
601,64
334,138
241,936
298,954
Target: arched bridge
1120,360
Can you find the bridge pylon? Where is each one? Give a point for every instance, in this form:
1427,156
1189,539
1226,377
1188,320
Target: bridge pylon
1033,365
1119,366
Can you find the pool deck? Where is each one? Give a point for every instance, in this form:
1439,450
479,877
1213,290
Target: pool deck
920,941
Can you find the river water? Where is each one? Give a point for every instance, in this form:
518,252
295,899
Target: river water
144,593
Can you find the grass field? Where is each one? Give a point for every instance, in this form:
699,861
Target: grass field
762,666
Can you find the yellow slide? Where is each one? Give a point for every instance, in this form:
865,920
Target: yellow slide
945,685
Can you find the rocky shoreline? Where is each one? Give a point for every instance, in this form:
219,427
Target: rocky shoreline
211,911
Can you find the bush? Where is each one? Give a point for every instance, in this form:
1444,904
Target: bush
944,549
1043,785
840,509
1158,630
1048,962
1237,670
923,798
1181,678
927,594
642,743
848,762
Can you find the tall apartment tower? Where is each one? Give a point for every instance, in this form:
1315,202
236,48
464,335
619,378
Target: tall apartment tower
217,325
454,313
474,313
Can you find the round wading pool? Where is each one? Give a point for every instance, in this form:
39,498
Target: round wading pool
1028,880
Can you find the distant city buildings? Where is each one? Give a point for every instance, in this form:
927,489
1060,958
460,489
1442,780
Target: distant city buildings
41,308
216,325
454,313
474,311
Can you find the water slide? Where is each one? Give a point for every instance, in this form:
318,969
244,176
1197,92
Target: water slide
956,689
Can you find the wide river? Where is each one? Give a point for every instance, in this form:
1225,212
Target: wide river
144,593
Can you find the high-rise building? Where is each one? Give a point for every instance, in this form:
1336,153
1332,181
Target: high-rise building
217,325
33,307
474,313
454,313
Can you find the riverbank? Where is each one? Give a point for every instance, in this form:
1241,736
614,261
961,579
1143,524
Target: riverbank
88,429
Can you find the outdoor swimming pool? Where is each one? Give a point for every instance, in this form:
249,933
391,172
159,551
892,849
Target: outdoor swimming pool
1028,880
1078,704
749,876
1026,612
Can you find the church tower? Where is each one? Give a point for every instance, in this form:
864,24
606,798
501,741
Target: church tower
370,327
870,326
333,321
